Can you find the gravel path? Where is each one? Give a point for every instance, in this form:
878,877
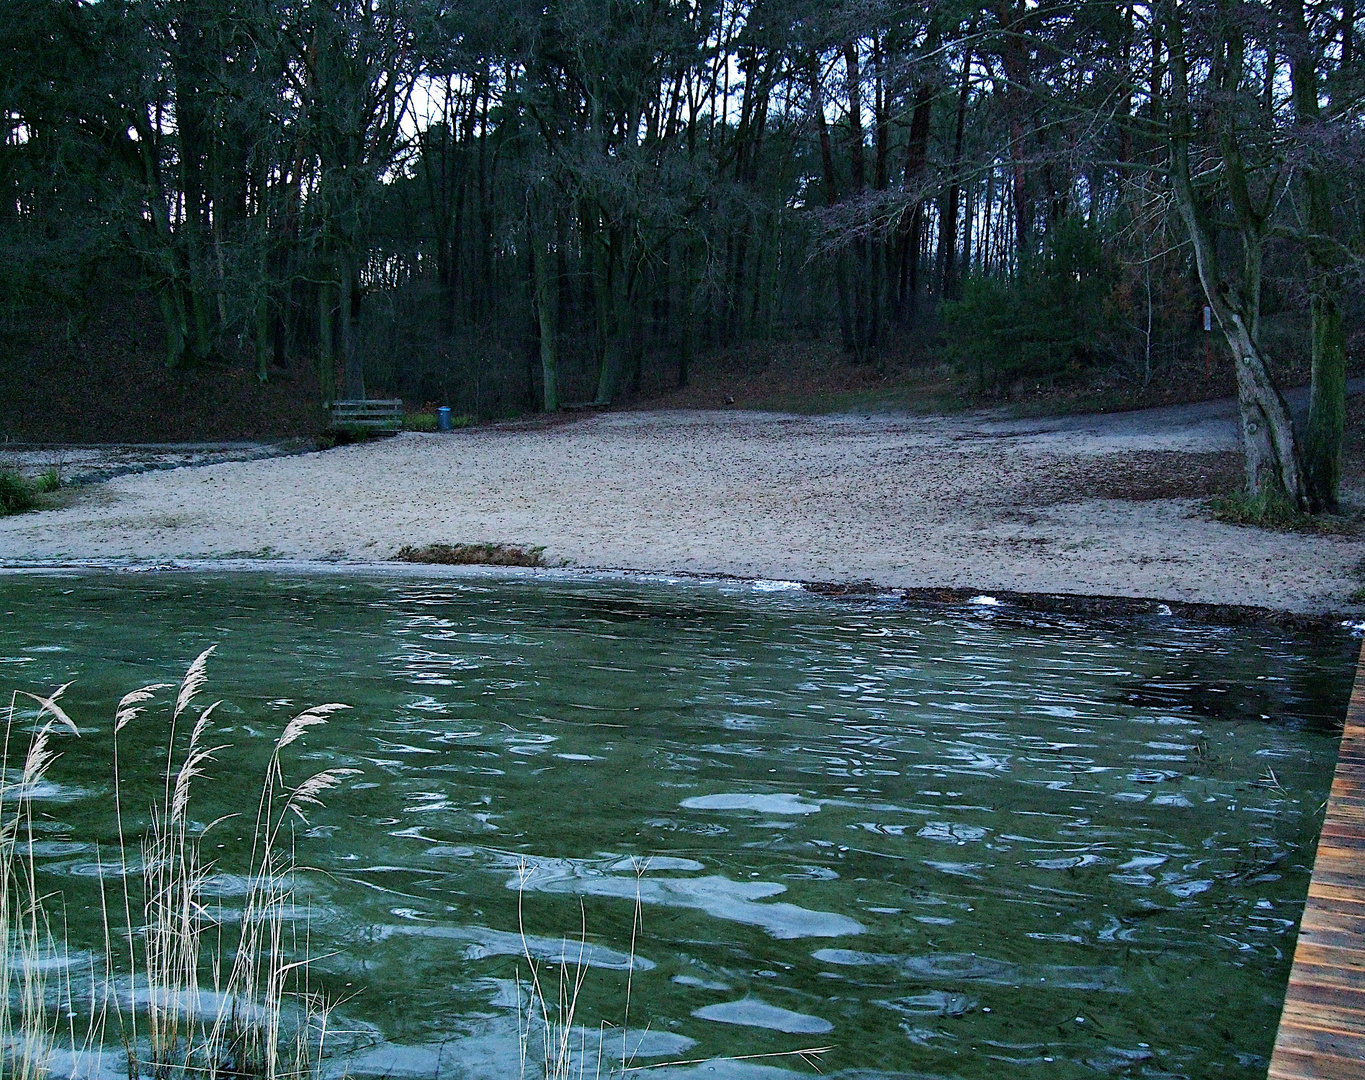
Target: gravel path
1103,505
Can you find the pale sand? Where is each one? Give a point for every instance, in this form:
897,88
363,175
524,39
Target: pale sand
903,502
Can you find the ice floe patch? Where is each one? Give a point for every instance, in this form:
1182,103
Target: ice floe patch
699,983
482,942
1185,889
969,967
646,863
931,1003
957,869
751,1012
715,894
490,1050
777,586
952,832
760,804
1069,862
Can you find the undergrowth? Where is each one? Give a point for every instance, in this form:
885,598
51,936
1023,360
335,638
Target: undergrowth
1270,509
429,422
472,555
16,493
346,435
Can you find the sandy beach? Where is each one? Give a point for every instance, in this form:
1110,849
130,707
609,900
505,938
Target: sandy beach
1101,505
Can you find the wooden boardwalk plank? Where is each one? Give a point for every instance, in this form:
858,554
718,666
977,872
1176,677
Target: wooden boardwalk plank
1322,1028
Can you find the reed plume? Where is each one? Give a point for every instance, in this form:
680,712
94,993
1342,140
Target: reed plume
203,1002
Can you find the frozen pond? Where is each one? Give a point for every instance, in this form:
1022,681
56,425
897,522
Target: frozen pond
948,842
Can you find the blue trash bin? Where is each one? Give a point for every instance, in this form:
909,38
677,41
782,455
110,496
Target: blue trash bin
443,418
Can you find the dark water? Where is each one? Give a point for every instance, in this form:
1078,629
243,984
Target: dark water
945,842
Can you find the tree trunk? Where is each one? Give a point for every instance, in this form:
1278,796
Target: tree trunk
326,341
174,298
172,308
547,313
1267,430
968,220
817,104
353,373
263,340
912,221
1326,430
862,283
687,305
613,297
947,237
1014,56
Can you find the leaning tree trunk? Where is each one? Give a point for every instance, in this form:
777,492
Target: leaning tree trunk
1267,429
172,309
1272,459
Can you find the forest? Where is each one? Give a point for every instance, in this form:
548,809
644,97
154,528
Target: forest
503,205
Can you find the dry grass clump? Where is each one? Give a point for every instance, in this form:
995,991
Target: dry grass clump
472,555
213,993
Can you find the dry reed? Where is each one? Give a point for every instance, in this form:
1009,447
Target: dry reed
555,1018
238,1005
28,1028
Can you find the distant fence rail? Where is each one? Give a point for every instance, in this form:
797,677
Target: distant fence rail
381,414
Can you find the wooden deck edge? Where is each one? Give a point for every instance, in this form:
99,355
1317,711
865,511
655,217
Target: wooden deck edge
1322,1028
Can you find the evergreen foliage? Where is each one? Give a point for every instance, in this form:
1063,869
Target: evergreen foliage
1054,319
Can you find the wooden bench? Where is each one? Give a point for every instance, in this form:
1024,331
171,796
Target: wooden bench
381,414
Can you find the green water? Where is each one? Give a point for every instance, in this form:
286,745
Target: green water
946,842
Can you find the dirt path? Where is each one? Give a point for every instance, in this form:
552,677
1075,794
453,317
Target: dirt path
1093,504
